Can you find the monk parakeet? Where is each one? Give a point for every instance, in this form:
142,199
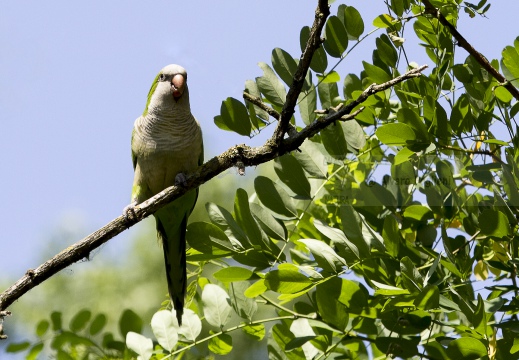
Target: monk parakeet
166,146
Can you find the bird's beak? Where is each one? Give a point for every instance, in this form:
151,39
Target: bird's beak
177,85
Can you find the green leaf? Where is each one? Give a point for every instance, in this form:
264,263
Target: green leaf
494,223
244,306
334,141
129,321
34,352
284,64
246,221
383,289
353,22
376,74
406,323
62,355
224,220
325,256
429,298
336,37
354,134
391,235
208,239
55,318
503,94
298,342
235,116
411,278
386,51
191,326
330,309
221,344
383,21
140,344
42,327
97,324
510,64
395,134
398,347
256,289
17,347
331,77
418,213
412,119
352,83
398,7
319,61
274,197
163,325
327,93
217,310
233,273
466,348
291,173
352,228
258,117
287,281
270,86
312,159
307,103
257,332
479,320
80,320
267,222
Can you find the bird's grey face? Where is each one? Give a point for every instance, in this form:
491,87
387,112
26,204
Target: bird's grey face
169,91
172,82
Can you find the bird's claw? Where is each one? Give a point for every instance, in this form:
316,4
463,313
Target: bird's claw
180,179
129,212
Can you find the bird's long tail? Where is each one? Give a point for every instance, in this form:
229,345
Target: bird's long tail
171,228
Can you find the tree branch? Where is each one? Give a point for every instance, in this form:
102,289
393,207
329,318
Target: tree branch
291,130
239,155
314,41
462,42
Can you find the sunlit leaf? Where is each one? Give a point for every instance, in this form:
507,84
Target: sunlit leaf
217,310
163,324
140,344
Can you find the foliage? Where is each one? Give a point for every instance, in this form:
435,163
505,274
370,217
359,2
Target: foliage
395,234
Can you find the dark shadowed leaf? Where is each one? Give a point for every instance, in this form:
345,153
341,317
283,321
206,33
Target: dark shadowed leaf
291,173
274,197
235,116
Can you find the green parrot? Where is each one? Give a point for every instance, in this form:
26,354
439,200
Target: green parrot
166,145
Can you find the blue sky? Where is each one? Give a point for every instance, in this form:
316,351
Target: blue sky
74,76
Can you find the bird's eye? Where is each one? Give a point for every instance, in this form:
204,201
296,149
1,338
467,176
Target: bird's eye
162,77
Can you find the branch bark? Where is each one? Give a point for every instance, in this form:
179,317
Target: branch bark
239,155
314,41
462,42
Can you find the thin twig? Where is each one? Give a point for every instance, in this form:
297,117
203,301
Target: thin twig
475,152
281,307
272,112
462,42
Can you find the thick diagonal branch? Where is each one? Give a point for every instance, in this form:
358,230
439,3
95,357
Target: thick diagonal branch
462,42
313,43
238,155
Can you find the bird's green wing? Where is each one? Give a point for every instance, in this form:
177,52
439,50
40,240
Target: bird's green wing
134,155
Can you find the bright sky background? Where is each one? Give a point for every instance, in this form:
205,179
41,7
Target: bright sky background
75,75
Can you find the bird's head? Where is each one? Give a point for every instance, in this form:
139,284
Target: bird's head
169,90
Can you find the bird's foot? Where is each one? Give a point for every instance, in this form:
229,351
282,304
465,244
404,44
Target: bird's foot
129,212
180,179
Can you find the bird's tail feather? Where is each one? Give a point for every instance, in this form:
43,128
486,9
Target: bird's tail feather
174,245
